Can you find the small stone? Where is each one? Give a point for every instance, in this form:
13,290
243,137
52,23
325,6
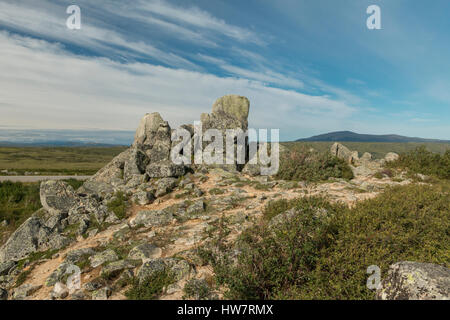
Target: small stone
101,294
24,291
3,294
59,291
144,252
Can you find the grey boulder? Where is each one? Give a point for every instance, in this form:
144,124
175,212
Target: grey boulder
415,281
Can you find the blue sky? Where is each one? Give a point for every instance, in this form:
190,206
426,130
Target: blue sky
308,67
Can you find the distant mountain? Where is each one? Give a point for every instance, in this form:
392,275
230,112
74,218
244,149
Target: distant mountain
348,136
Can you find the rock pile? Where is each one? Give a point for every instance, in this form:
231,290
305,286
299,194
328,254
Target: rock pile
361,166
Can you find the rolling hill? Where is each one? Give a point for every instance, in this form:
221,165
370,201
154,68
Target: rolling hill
348,136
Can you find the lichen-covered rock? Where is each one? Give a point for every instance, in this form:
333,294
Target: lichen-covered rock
136,163
228,112
102,294
232,105
165,169
102,189
366,157
342,152
57,196
113,171
60,291
3,294
415,281
5,267
164,186
144,252
103,257
143,198
114,268
197,207
150,218
178,268
153,136
24,291
30,237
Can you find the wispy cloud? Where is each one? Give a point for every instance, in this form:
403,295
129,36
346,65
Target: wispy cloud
196,17
100,93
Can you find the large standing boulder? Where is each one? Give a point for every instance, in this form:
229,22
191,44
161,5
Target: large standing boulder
415,281
153,136
342,152
228,112
136,163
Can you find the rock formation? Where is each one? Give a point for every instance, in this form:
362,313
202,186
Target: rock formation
364,166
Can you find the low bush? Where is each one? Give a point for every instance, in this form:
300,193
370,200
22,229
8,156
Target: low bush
425,162
324,251
151,288
119,205
18,201
302,164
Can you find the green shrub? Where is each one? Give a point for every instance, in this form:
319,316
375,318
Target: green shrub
197,290
18,201
426,162
119,205
305,165
151,288
325,256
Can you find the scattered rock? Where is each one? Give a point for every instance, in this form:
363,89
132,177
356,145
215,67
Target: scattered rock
164,186
93,285
197,207
24,291
3,294
101,294
113,269
165,169
342,152
144,252
391,156
143,198
60,291
103,257
150,218
179,268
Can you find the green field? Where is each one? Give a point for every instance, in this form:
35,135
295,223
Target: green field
377,149
88,160
56,160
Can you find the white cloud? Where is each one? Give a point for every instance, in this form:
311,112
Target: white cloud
198,18
42,86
